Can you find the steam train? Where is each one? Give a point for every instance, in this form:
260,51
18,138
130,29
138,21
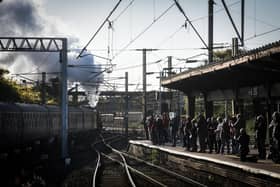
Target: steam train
23,123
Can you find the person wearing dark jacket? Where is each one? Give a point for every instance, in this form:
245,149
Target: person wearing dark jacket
165,124
225,136
260,134
174,125
239,123
274,137
202,132
212,125
187,133
243,141
193,136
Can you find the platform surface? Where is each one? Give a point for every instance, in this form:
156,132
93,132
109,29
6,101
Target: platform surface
266,167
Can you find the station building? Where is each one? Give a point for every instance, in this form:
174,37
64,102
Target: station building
249,84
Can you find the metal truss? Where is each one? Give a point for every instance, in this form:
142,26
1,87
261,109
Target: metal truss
31,44
42,44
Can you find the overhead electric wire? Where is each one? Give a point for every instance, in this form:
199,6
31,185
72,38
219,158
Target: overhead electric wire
255,19
142,32
217,11
26,78
107,18
138,65
194,56
55,72
194,20
123,11
98,74
184,25
261,34
188,20
171,36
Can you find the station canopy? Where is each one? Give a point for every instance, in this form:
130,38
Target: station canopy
260,66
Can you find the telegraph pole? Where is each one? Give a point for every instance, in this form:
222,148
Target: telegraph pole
169,60
43,89
169,68
210,30
144,51
126,106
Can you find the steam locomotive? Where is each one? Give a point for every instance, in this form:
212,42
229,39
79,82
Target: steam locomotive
23,123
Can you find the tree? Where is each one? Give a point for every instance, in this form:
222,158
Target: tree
222,55
8,92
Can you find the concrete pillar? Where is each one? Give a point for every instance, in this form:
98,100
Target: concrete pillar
268,108
237,103
208,105
258,109
191,106
238,106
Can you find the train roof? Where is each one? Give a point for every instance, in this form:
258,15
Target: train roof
87,109
9,107
52,108
31,107
23,107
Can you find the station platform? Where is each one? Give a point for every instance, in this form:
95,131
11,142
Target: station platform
213,169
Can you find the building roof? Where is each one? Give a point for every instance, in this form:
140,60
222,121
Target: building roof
257,66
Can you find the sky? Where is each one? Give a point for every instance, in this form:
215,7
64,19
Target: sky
79,20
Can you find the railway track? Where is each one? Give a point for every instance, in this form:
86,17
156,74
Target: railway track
83,160
111,172
120,169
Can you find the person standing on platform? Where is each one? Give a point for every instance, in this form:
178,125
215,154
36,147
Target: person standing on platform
202,132
243,141
240,123
152,126
218,133
234,143
211,125
194,136
260,134
174,130
187,133
160,130
165,123
146,128
274,136
181,131
225,136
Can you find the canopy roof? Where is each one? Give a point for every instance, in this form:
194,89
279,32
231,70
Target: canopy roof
255,67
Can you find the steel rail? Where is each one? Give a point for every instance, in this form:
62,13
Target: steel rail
181,177
96,169
137,172
164,170
124,161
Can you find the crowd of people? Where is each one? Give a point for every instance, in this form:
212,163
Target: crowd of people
216,135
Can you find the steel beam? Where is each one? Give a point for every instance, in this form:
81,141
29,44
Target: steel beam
233,24
32,44
46,44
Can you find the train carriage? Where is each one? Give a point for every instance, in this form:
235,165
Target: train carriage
24,123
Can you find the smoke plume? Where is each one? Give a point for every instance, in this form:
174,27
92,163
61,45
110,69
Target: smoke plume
25,18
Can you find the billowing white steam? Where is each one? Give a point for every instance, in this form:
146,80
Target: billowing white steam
25,18
85,71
